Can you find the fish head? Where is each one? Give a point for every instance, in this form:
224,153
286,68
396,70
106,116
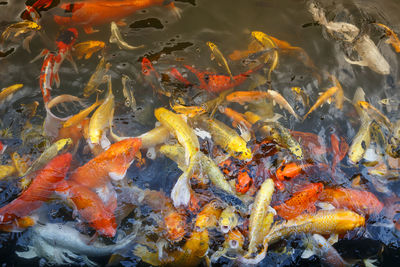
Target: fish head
175,224
147,67
243,182
211,45
66,39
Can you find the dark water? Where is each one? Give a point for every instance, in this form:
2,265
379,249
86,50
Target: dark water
171,42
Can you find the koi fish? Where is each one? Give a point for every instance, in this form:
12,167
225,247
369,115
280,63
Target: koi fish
215,83
6,171
363,202
87,49
323,223
65,42
274,131
156,136
20,165
216,53
98,77
32,11
20,28
47,76
238,121
68,245
78,118
116,38
360,142
393,39
225,137
339,148
375,114
127,90
243,181
51,152
242,97
101,117
174,222
112,163
187,138
8,92
228,219
302,200
291,170
260,217
189,111
325,97
89,205
267,43
98,12
38,192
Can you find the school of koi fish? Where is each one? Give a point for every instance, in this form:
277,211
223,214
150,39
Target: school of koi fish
251,184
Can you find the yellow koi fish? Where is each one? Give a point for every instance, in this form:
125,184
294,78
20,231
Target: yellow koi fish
225,137
6,170
279,134
229,219
97,78
189,111
8,92
78,118
101,117
375,114
87,49
116,38
260,215
216,53
187,138
325,97
267,43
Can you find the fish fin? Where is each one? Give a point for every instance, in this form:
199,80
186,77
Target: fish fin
72,61
104,142
307,254
89,29
121,23
333,239
370,262
244,133
176,11
26,42
56,79
212,56
325,206
202,133
108,195
180,194
42,54
30,254
360,62
329,100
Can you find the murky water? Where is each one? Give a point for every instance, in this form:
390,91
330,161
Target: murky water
175,42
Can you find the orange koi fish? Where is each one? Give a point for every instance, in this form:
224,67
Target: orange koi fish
243,181
98,12
302,200
38,192
393,39
88,48
291,170
236,117
174,221
212,82
242,97
356,200
90,207
339,149
112,163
